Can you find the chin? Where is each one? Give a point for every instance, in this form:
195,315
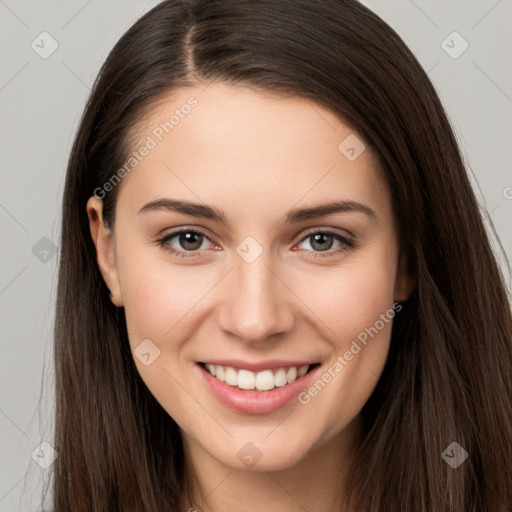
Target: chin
260,457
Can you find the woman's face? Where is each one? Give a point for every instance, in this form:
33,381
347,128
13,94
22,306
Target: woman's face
261,282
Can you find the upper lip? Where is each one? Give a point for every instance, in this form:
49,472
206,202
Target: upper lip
257,366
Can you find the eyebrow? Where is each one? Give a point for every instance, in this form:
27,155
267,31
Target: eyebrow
293,216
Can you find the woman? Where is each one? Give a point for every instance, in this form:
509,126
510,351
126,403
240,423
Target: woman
276,290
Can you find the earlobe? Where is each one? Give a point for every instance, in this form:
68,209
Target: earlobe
103,239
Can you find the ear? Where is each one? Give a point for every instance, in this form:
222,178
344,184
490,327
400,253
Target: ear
104,242
405,282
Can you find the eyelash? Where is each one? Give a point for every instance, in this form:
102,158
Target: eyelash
347,244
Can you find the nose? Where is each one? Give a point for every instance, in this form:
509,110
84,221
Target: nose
257,305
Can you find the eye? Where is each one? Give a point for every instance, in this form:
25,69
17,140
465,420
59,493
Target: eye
189,240
323,241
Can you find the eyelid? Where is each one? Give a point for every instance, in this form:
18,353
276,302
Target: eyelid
305,234
187,229
348,242
327,231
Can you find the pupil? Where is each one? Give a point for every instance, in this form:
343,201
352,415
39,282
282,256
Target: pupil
187,240
321,237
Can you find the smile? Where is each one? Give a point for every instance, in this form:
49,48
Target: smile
260,381
264,388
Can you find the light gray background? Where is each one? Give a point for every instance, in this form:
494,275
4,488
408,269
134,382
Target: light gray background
41,100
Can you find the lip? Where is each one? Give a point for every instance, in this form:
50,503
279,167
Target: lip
271,364
253,401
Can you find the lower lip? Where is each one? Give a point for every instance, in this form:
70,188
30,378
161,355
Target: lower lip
253,401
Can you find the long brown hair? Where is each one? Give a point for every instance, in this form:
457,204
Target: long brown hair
448,374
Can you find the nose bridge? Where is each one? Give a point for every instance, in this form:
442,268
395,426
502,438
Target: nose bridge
256,307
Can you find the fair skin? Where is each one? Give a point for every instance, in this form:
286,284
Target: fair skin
255,156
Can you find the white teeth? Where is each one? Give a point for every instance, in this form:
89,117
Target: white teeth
219,373
302,370
246,379
264,380
291,374
230,376
280,377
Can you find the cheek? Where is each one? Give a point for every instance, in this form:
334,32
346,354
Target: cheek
350,297
159,300
159,294
354,310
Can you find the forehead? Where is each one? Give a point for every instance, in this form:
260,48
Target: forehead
245,147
